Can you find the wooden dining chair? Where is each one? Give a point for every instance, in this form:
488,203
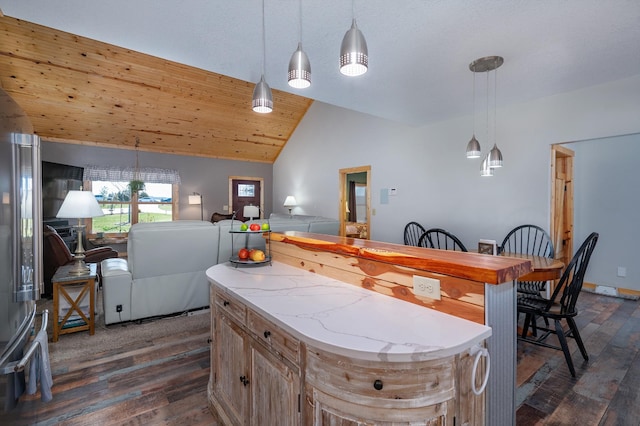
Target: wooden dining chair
441,239
529,239
412,233
560,307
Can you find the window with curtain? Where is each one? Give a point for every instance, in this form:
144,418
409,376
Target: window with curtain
156,202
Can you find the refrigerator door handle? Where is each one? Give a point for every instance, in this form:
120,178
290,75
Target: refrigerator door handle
17,366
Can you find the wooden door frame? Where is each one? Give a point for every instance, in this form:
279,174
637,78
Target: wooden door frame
342,202
261,180
566,210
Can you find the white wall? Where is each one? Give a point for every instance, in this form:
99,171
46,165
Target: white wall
607,201
436,184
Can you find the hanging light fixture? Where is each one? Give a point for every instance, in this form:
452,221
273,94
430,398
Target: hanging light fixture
485,170
473,147
354,56
494,158
299,65
262,98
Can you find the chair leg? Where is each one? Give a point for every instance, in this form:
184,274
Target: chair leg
576,335
565,347
525,326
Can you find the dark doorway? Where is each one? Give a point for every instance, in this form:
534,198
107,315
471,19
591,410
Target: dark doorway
245,192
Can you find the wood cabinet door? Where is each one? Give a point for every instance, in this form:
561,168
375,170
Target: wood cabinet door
232,372
275,390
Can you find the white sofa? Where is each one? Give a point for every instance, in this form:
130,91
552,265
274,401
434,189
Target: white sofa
165,269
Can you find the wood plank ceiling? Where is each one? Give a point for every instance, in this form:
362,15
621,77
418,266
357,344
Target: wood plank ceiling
77,90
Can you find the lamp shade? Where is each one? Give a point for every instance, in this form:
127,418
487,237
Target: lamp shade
290,201
354,55
299,69
473,148
250,212
79,205
262,97
195,199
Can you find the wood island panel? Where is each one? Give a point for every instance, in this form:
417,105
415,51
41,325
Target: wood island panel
389,269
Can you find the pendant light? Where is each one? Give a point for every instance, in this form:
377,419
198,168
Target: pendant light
354,56
473,147
485,170
262,98
299,65
494,158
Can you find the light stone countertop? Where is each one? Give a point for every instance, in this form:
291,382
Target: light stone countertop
345,319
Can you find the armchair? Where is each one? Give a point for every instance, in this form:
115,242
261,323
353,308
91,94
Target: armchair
55,253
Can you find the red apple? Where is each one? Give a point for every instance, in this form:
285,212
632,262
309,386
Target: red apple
254,227
243,254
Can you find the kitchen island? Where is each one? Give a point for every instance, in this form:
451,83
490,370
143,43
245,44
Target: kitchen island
303,348
474,287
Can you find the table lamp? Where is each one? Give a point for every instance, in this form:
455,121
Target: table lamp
290,202
249,212
79,205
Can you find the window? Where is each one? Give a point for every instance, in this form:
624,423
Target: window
153,204
156,202
245,190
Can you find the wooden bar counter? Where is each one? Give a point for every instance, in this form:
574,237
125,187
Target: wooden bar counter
475,287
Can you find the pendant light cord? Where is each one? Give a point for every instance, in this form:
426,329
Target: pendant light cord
264,43
495,108
474,103
300,18
488,139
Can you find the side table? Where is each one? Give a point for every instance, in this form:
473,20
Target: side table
74,289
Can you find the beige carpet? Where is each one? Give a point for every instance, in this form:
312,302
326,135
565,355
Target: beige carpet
115,336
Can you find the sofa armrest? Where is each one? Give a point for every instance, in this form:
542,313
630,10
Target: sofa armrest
116,290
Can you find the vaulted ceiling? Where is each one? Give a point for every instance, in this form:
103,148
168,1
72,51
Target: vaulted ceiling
77,90
196,99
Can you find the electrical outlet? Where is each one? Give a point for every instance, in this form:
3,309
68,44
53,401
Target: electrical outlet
118,308
622,271
429,287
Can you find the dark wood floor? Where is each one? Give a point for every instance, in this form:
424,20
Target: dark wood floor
163,382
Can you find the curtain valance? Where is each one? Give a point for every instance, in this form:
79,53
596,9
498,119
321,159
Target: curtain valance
119,174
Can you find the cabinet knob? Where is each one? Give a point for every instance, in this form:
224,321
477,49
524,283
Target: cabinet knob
244,380
377,385
267,333
225,303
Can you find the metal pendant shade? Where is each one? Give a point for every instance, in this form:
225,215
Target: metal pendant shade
262,98
485,170
473,148
495,157
354,56
299,76
299,69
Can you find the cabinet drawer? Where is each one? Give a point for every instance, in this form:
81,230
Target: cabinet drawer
385,384
231,306
275,337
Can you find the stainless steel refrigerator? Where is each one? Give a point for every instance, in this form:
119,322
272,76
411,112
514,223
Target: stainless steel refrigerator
20,247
